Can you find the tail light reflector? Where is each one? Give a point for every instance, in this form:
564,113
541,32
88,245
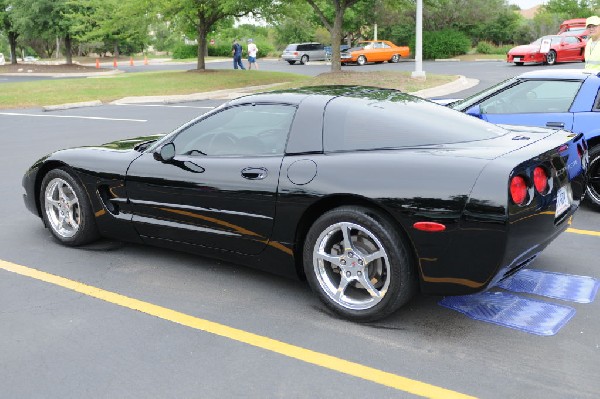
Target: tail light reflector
518,190
540,180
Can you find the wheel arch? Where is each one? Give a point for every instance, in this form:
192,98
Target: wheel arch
42,172
312,213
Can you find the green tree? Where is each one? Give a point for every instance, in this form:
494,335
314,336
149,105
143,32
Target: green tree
7,26
568,9
113,25
331,13
201,16
48,18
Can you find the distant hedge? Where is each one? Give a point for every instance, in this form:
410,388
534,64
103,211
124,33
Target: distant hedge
484,47
444,44
218,50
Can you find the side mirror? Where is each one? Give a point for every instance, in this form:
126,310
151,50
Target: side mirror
475,111
165,153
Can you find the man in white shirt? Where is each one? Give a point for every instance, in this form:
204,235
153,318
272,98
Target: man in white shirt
592,54
252,51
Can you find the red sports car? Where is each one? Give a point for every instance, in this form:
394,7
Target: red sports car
549,50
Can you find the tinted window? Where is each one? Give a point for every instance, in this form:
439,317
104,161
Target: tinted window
242,130
360,124
302,47
532,96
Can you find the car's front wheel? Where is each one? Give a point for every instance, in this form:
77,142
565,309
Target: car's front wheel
593,186
358,263
551,57
362,60
66,209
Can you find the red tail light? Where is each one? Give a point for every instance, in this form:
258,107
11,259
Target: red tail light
540,180
295,53
518,190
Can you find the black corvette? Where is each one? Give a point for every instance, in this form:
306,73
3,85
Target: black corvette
369,194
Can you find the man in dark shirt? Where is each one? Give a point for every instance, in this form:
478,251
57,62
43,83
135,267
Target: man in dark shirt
236,51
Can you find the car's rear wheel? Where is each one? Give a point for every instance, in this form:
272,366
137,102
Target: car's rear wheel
66,209
593,186
291,62
362,60
304,59
551,57
358,263
395,58
519,63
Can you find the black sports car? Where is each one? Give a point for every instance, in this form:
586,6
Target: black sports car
370,194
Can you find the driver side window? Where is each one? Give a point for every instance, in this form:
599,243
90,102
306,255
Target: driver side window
533,96
244,130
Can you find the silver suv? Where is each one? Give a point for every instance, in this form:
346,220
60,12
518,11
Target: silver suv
303,52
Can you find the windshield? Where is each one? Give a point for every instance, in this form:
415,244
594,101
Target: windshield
462,105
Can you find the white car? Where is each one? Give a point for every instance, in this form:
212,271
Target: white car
2,59
29,58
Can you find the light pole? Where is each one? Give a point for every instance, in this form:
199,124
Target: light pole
418,72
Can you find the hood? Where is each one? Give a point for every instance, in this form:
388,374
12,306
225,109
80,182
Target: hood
130,144
525,48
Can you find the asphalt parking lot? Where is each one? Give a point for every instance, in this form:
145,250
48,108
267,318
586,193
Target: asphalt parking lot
127,321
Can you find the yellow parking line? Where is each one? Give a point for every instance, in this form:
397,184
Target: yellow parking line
586,232
306,355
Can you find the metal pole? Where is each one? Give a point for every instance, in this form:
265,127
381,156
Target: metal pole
418,72
375,34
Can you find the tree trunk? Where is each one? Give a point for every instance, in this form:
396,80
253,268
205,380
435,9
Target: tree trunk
202,34
336,38
68,52
12,39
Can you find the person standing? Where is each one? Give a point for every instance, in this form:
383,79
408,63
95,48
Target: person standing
592,50
252,51
236,51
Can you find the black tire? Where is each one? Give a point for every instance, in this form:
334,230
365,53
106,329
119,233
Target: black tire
519,63
361,60
336,267
551,57
291,62
66,209
304,59
593,186
395,58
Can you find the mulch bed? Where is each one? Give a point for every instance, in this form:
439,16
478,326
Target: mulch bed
41,68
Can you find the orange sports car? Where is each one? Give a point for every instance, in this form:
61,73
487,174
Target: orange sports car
374,51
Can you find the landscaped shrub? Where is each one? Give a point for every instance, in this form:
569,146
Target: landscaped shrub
444,44
182,51
484,47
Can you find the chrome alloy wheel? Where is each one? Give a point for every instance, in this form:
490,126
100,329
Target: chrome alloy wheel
351,265
62,208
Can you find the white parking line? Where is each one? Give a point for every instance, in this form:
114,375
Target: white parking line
162,105
73,117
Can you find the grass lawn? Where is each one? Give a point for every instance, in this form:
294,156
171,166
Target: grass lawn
106,89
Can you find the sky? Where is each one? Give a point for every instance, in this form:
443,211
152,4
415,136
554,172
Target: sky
525,4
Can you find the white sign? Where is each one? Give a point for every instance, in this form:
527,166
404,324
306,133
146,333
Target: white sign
545,47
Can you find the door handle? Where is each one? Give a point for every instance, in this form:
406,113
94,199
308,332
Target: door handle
254,173
556,124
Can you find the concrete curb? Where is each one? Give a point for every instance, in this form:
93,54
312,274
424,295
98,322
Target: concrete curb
68,75
226,94
462,83
95,103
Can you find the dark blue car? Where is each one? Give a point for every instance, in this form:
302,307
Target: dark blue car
565,99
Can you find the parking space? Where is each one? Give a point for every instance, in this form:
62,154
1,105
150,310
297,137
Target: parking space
126,320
